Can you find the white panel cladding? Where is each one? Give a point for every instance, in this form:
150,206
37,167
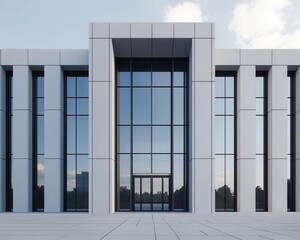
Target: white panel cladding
184,30
203,60
202,120
119,30
2,139
162,30
100,30
277,137
77,57
22,139
43,57
100,60
14,57
203,30
286,57
246,142
256,57
297,165
141,30
54,132
203,185
227,57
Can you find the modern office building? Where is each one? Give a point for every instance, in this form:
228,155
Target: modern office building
150,118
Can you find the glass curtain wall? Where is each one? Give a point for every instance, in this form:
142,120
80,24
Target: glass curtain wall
291,139
151,134
225,137
38,141
261,142
9,154
76,141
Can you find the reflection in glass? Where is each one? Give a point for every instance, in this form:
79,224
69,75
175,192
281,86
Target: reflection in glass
178,181
146,198
124,139
161,75
124,78
137,194
225,143
76,138
178,106
141,106
161,108
141,163
141,139
124,106
141,73
161,163
161,138
124,184
157,197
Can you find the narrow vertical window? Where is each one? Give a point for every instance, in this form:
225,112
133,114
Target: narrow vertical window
38,141
291,129
76,141
225,136
9,154
261,142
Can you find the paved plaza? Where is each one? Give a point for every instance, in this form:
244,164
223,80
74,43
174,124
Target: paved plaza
148,226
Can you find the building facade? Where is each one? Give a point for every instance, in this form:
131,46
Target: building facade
150,118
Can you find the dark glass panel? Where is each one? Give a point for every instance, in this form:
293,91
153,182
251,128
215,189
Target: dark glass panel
220,86
71,86
82,182
71,183
229,190
141,73
82,87
220,134
40,134
220,182
40,86
229,86
82,134
141,163
179,73
161,106
40,106
71,106
178,139
71,129
178,181
141,139
39,191
124,73
161,73
124,163
146,197
141,106
229,134
124,107
260,171
161,163
82,106
161,138
124,139
178,106
137,194
166,194
157,194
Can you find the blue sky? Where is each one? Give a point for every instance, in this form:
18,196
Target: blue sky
64,23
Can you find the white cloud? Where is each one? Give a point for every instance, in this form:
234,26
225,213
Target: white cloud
188,11
263,24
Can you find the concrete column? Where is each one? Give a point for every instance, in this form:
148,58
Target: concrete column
101,192
201,158
22,139
246,87
277,135
2,140
54,135
297,180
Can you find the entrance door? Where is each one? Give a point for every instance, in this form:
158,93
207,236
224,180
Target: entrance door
151,194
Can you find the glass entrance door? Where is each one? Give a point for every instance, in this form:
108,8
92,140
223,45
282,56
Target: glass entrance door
151,194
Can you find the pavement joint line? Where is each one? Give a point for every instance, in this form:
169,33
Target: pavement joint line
116,227
265,237
267,231
153,226
139,219
170,228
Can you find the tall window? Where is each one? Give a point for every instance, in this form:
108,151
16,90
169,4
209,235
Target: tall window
291,130
261,142
9,154
225,135
76,140
38,144
151,134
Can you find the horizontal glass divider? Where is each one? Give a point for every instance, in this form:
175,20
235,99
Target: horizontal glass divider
151,174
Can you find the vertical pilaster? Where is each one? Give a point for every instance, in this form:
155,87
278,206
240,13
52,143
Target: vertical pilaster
101,161
246,139
22,139
2,140
277,135
54,135
297,165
